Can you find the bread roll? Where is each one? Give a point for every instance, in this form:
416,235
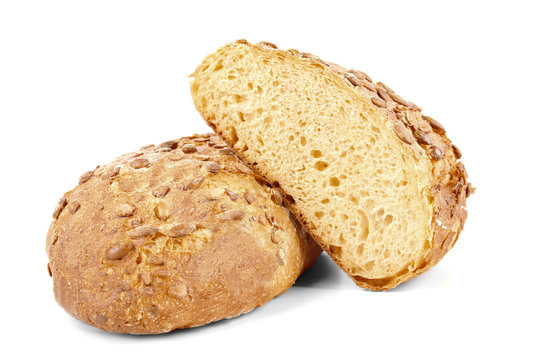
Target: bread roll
377,183
173,236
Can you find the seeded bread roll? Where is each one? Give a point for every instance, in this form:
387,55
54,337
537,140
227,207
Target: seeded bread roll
377,184
173,236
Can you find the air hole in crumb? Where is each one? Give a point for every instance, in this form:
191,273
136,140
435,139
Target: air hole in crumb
275,83
239,98
260,140
259,90
218,67
303,141
360,249
369,265
354,200
321,166
250,86
241,116
316,153
388,219
231,77
319,214
291,138
343,176
325,201
380,212
334,181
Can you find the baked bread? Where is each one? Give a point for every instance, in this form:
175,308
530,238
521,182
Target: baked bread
377,183
173,236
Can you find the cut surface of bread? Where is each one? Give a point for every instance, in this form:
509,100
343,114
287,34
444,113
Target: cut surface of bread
376,183
173,236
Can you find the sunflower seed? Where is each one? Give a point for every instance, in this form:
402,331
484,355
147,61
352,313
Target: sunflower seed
146,278
403,132
162,210
212,167
353,79
74,206
110,173
250,197
434,123
143,231
139,163
181,230
385,87
125,210
232,195
85,177
189,149
267,44
383,95
378,102
422,137
226,151
398,99
231,215
172,144
59,207
369,86
457,151
178,291
436,153
119,250
161,191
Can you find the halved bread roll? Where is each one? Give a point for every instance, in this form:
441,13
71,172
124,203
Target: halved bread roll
377,183
173,236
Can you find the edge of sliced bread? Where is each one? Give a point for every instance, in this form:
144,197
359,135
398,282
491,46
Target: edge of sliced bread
377,184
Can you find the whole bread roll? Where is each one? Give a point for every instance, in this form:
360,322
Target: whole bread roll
377,183
173,236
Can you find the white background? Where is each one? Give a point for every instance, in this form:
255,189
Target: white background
83,82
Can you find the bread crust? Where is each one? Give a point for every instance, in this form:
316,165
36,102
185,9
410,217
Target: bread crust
423,137
173,236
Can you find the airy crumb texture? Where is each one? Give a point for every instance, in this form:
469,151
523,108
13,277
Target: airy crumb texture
173,236
376,183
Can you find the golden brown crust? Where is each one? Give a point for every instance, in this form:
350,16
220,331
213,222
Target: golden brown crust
425,138
173,236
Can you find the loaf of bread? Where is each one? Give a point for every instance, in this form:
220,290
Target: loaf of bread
173,236
377,183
